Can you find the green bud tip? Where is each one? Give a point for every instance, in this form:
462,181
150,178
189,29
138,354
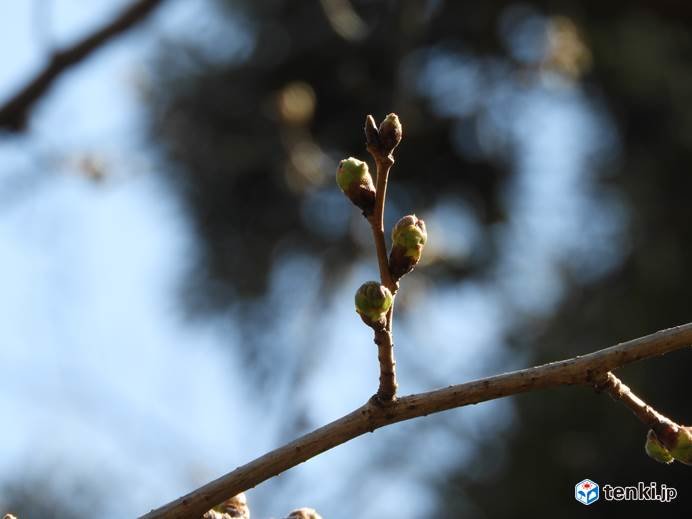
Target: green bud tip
355,181
304,513
390,132
352,173
655,449
410,234
681,449
373,301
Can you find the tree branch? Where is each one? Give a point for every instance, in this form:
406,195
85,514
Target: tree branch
586,369
14,113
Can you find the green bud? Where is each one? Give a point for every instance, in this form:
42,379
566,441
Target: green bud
372,303
410,233
390,133
655,449
304,513
408,239
352,171
353,177
681,449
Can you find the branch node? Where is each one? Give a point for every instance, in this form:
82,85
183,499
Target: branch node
382,403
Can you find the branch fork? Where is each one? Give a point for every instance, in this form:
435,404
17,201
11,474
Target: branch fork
373,415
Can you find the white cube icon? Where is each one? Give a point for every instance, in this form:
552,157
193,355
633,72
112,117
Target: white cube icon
586,492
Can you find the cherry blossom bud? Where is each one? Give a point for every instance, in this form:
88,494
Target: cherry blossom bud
408,239
304,513
390,133
655,449
233,508
353,177
372,303
681,448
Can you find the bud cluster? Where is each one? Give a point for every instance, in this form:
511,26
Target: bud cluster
408,236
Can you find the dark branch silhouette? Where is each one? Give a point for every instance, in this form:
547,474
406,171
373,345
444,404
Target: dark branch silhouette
14,113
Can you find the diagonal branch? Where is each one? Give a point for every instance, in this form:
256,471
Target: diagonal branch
579,370
14,113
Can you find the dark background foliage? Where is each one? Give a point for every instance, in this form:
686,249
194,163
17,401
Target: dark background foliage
242,177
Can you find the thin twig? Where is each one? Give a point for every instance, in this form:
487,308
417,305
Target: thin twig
385,355
383,163
384,339
13,114
644,412
578,370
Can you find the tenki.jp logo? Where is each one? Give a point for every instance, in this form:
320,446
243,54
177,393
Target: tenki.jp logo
588,492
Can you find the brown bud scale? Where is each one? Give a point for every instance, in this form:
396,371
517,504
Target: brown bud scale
399,263
390,132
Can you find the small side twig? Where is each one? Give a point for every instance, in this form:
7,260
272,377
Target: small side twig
385,355
619,392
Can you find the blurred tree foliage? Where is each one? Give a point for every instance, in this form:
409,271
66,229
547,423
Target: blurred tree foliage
254,139
257,140
641,64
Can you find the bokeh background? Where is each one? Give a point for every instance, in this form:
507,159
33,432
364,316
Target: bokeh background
177,265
